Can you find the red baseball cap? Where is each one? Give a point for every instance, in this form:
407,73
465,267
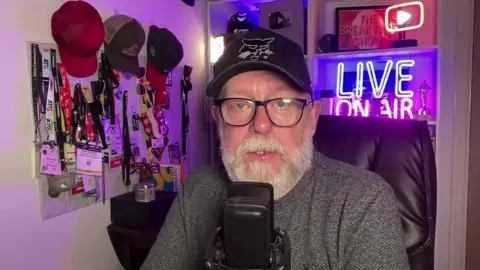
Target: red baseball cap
78,30
157,81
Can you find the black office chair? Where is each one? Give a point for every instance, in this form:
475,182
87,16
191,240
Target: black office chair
402,153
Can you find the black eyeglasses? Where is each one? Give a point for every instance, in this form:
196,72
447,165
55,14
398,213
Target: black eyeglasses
282,112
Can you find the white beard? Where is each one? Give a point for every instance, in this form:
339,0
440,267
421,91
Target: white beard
282,180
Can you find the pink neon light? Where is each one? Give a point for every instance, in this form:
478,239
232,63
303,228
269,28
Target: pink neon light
399,109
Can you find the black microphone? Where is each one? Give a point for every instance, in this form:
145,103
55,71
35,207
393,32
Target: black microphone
246,238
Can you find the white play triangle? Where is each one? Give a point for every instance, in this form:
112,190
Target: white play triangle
403,17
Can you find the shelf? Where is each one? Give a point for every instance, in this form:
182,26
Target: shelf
239,2
377,53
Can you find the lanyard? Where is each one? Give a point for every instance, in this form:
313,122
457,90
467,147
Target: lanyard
49,113
186,86
126,142
37,90
60,136
94,115
66,102
83,128
110,82
108,73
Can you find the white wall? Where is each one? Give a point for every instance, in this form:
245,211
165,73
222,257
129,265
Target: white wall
77,240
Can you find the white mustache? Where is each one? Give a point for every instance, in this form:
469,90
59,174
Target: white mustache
259,144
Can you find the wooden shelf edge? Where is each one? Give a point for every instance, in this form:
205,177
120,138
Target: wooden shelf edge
377,53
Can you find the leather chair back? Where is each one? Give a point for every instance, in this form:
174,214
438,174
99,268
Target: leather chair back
402,153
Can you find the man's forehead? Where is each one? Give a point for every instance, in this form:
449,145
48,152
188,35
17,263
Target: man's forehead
257,79
245,90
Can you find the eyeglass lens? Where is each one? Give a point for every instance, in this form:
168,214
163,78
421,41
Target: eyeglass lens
281,111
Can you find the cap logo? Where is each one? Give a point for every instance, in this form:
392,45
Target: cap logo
132,51
152,51
255,48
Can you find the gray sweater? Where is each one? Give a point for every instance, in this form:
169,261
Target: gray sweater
337,217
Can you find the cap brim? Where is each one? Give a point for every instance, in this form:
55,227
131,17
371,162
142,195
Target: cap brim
215,86
79,67
123,63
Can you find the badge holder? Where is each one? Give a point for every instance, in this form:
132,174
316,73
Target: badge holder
49,159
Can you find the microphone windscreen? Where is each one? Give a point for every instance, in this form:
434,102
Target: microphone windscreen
250,189
248,225
247,233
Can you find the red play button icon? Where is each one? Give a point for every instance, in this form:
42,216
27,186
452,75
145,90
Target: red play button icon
404,17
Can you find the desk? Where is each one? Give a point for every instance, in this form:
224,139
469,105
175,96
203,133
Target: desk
135,226
131,246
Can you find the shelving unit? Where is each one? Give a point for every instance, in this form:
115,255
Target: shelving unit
320,20
377,53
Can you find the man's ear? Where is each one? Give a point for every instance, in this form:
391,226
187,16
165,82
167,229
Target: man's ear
314,114
214,110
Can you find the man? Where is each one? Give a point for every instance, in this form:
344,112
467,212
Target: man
337,216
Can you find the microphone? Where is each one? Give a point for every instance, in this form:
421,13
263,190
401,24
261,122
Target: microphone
246,237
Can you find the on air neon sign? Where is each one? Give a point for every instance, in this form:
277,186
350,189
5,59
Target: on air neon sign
402,105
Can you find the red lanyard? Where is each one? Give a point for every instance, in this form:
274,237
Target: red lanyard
66,102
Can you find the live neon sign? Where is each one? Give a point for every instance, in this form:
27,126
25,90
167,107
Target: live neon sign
402,105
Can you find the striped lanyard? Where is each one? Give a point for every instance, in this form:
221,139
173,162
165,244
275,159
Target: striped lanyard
50,110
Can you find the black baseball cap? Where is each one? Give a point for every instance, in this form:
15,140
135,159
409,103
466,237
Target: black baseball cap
164,50
261,49
164,53
124,38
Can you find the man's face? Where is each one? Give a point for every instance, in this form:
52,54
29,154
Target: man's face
262,151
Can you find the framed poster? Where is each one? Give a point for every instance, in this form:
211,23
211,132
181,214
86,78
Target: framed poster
362,28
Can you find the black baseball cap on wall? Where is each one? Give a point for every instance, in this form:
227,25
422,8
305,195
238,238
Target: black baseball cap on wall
164,50
261,49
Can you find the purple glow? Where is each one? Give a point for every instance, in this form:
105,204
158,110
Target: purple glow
398,109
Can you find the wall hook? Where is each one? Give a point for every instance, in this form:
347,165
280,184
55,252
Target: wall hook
115,12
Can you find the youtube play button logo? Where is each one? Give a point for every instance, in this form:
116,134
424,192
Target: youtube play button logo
404,17
279,20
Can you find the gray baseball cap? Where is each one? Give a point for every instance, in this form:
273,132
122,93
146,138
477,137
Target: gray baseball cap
124,38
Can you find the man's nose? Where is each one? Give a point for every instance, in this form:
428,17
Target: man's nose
261,123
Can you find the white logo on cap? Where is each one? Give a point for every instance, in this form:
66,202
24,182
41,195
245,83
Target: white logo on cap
152,51
255,48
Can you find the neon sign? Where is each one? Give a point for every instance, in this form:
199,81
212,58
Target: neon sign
402,17
400,108
402,105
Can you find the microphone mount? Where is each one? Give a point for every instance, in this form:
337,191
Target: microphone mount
279,257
